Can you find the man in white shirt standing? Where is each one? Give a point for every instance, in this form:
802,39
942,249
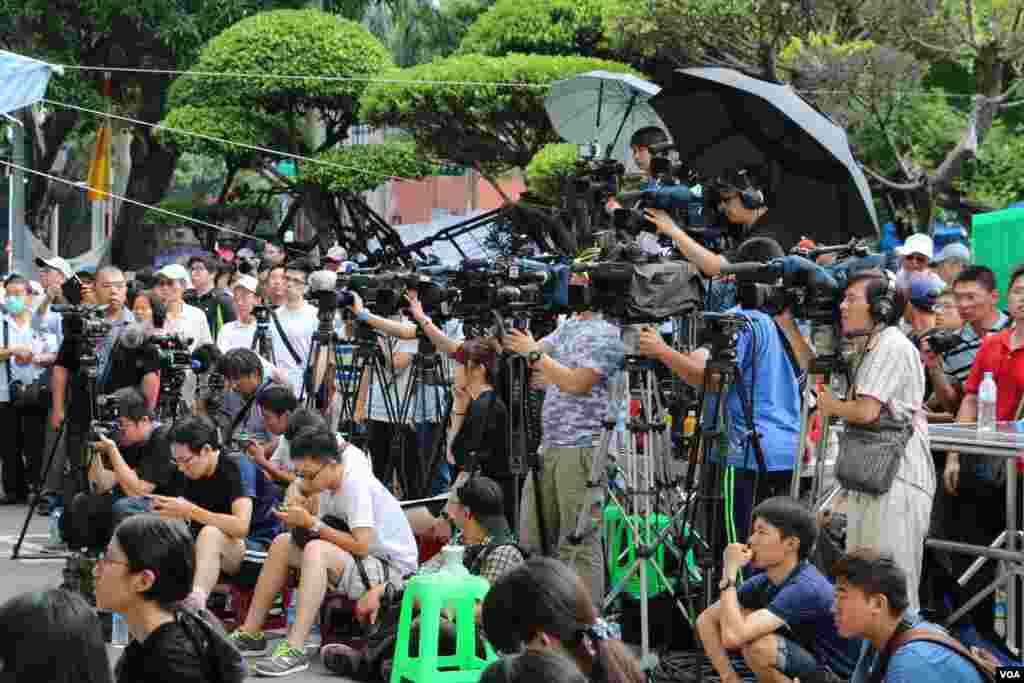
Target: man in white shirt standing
238,334
292,327
188,322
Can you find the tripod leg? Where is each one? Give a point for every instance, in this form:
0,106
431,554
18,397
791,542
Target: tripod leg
15,553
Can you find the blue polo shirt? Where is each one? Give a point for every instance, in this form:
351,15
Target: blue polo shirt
917,661
776,391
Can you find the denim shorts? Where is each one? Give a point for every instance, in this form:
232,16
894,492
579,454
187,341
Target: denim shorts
791,659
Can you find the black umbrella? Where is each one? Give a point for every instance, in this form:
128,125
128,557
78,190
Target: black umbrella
722,120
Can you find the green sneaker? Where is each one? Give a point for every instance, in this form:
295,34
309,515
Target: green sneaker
285,660
249,644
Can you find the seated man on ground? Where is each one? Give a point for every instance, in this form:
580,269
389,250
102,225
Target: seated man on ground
277,404
215,502
872,603
360,539
477,508
122,474
781,619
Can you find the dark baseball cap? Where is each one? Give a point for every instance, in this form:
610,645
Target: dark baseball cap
924,291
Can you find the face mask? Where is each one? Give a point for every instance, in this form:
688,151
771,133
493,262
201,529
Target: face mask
15,305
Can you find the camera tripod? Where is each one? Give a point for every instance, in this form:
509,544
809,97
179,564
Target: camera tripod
76,465
322,344
632,483
831,365
428,382
261,341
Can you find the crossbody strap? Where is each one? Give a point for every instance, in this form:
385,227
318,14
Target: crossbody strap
284,338
927,635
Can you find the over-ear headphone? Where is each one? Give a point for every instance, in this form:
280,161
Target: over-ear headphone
751,197
881,296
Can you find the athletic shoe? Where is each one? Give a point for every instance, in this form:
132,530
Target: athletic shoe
249,644
286,660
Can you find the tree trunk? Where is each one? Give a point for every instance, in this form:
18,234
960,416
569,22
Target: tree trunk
150,178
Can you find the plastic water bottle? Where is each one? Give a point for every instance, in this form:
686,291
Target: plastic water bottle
453,563
987,404
118,630
54,530
999,612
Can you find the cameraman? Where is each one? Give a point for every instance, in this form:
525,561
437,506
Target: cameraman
977,296
576,362
124,474
887,374
239,333
768,390
216,304
184,320
640,145
74,396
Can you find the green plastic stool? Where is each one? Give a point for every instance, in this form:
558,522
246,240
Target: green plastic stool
622,552
459,594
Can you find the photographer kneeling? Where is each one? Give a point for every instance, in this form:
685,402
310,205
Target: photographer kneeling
136,467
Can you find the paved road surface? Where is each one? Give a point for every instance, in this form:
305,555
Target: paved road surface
25,575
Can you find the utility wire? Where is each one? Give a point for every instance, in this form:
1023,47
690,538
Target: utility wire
256,148
111,195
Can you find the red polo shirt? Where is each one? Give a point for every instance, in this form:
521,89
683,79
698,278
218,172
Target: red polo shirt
1007,368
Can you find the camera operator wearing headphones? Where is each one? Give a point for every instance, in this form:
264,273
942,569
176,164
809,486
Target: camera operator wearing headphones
577,362
741,199
123,474
886,374
774,391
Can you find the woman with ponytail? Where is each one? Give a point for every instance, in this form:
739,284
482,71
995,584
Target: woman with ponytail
543,604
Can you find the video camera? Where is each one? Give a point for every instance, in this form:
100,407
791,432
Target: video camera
83,322
809,291
105,424
943,341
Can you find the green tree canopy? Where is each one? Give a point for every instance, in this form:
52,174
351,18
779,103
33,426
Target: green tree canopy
463,109
549,167
234,123
547,27
360,168
284,44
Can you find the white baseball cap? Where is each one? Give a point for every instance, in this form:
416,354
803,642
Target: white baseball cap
56,263
917,244
246,282
336,253
174,271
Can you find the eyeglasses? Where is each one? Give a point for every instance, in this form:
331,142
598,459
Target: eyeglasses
296,280
115,285
105,559
182,462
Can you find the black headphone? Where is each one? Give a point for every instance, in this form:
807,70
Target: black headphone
881,296
751,197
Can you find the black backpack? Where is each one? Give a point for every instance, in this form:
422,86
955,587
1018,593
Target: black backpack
221,660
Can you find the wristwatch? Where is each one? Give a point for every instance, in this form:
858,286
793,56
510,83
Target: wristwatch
317,526
726,584
533,357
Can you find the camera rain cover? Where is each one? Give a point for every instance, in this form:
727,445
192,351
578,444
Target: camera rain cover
663,289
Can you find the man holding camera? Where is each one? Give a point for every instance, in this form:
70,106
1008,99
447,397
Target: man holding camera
763,418
71,387
577,362
977,297
123,475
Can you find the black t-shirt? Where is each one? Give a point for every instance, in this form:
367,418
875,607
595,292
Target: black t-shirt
127,368
484,436
167,655
218,307
217,492
151,460
765,228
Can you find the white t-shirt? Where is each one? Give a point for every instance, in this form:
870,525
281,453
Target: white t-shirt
191,324
364,503
300,326
236,335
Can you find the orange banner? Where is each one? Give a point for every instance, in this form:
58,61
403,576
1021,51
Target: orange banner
99,170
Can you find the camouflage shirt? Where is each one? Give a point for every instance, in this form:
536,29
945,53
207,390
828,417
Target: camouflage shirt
576,421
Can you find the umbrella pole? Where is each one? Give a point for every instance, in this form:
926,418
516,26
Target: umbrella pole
622,124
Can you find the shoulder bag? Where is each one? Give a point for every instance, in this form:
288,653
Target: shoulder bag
870,455
981,660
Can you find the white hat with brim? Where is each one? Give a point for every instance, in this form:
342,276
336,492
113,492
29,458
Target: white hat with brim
917,244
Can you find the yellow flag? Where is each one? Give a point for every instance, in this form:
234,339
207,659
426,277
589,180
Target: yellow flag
99,169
